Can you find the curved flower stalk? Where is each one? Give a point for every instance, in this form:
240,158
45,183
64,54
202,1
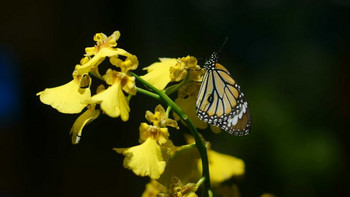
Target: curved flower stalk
199,143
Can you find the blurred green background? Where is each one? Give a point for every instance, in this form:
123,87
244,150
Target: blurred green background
291,59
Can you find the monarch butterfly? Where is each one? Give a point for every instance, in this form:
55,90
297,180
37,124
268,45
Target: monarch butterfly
220,101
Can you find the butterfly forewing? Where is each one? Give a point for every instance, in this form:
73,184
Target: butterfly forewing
220,101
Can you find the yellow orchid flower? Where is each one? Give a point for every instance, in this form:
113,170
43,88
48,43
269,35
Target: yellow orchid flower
102,41
155,189
70,98
149,131
130,63
105,47
158,73
145,159
113,102
89,115
160,119
189,63
148,158
176,189
172,69
179,190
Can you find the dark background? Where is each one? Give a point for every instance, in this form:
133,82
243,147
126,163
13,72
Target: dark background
291,59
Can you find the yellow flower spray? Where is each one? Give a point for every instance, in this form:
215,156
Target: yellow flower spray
174,170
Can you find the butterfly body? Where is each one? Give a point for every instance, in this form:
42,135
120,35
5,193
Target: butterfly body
220,101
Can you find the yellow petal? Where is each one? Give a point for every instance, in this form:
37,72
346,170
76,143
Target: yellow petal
154,189
158,73
113,102
189,63
100,37
222,167
97,59
178,189
161,135
131,62
129,86
89,115
68,98
145,159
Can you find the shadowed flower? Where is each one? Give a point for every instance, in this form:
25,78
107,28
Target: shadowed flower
176,189
155,189
183,165
186,100
113,102
179,190
70,98
186,164
89,115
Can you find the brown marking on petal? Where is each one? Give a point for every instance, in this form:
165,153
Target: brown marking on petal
154,132
124,79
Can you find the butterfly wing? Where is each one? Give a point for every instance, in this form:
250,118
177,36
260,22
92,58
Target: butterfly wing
221,103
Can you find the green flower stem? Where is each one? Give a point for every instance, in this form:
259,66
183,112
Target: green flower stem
199,143
148,93
201,180
142,91
168,109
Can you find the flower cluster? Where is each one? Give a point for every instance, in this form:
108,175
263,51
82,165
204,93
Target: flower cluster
173,170
74,96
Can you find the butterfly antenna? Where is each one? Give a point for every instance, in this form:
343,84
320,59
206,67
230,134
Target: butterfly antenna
223,44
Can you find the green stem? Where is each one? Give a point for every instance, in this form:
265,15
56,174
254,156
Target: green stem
148,93
199,143
168,109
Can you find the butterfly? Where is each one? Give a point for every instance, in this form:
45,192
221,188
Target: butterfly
220,101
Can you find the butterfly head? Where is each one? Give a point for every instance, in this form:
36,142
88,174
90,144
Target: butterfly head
210,63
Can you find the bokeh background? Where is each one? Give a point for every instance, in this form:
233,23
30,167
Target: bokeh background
291,59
